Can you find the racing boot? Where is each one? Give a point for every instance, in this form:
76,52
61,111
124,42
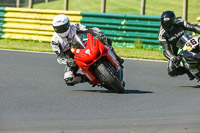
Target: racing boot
191,77
182,70
121,61
79,78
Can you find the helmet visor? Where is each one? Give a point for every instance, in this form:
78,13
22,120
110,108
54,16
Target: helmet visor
62,28
167,24
64,34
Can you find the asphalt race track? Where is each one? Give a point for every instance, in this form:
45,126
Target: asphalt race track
34,98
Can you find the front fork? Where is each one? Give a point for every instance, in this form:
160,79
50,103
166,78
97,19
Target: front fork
113,59
120,74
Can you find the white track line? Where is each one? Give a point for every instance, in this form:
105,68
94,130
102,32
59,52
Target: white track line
54,53
145,60
27,51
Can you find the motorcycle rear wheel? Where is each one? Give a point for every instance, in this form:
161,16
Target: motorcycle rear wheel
112,82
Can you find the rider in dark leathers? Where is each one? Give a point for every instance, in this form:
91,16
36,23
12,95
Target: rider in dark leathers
61,41
171,30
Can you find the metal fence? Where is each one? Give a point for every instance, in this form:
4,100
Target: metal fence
12,3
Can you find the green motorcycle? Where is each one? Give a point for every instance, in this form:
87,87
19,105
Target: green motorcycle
189,51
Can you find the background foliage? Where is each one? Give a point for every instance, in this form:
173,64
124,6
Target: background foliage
153,7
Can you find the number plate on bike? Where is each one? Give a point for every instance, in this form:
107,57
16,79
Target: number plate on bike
191,44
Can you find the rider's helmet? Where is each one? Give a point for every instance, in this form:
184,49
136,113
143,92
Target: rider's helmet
168,18
61,25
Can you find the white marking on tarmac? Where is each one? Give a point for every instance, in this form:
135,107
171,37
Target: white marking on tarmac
27,51
54,53
145,60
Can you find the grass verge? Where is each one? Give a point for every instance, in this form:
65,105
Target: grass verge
46,47
25,45
153,7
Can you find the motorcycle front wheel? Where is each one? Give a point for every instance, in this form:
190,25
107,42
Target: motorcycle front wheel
106,75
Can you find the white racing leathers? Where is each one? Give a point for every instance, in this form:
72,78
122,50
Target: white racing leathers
61,46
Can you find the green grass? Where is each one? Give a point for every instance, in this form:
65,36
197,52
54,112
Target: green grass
25,45
140,53
46,47
153,7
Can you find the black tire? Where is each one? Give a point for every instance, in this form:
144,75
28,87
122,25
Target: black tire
111,81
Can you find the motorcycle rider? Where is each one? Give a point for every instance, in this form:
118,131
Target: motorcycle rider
61,41
171,30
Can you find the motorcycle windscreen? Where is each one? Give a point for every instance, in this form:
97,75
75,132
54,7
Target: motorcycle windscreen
91,52
77,42
183,40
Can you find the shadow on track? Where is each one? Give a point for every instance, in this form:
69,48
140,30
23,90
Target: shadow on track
126,91
137,92
197,86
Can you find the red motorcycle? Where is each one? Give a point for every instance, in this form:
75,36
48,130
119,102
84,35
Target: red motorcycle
98,63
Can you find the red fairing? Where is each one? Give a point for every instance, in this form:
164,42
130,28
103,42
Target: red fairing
86,57
92,52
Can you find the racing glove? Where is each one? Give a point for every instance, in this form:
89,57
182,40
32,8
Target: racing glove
176,60
71,62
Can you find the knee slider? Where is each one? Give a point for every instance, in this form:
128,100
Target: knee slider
69,80
73,80
68,77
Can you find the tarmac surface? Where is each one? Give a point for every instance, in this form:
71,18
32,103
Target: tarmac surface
35,99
